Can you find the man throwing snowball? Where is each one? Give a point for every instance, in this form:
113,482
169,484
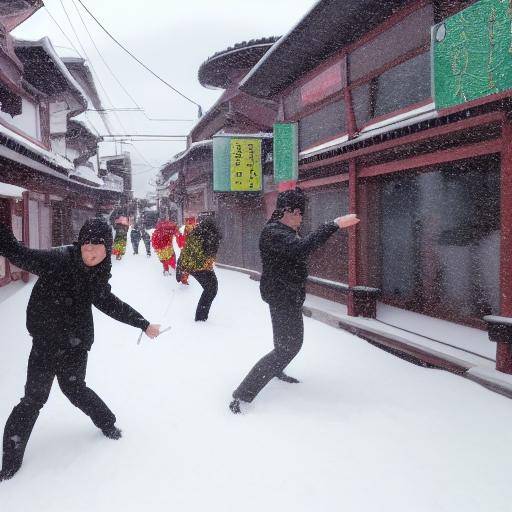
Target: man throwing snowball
59,319
284,257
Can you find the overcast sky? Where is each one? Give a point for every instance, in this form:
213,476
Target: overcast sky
173,38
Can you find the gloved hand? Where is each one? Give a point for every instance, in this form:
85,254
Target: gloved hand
8,241
346,220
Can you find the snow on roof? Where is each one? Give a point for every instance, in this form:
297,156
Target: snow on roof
46,44
418,115
50,157
11,190
88,174
183,154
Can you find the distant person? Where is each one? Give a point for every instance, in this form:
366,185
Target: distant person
197,259
121,227
161,240
181,239
136,234
59,318
284,257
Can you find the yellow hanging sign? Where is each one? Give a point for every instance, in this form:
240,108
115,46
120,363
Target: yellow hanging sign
245,165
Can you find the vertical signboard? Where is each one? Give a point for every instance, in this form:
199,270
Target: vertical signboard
245,169
472,53
286,152
237,164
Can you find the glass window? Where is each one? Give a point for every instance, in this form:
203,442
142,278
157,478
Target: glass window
440,237
331,260
411,33
401,86
323,124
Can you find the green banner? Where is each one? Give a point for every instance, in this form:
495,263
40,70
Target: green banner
472,53
286,152
237,164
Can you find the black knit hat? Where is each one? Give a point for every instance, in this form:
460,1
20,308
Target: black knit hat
96,231
291,200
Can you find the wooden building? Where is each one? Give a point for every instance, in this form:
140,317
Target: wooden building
45,193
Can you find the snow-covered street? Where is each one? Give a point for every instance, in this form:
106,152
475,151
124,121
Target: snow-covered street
363,431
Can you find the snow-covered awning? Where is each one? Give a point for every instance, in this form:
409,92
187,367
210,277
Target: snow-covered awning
82,172
11,191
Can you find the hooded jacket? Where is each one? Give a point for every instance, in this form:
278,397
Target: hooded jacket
59,312
284,257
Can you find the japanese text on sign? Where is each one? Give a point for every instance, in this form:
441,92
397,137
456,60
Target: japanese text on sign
245,168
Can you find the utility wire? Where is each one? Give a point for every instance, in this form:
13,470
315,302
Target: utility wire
93,70
102,58
139,61
110,71
63,33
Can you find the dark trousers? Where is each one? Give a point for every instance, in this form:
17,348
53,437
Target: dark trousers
69,366
147,242
208,280
288,329
135,244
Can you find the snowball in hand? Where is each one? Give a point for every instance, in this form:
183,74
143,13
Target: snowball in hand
347,220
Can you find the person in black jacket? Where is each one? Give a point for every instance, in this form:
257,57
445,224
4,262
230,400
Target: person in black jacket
283,286
59,319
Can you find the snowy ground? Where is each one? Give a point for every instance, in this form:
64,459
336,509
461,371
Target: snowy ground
364,431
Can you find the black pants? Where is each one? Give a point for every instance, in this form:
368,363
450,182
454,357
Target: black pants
147,242
135,244
69,366
288,329
208,280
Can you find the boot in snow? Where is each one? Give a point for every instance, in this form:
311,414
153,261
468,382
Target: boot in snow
112,432
234,406
13,452
286,378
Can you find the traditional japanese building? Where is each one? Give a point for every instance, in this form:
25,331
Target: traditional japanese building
186,184
430,178
47,186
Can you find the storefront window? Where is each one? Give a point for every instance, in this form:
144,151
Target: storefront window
411,33
401,86
324,205
440,239
328,122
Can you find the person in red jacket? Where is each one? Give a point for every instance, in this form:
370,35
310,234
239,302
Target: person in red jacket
161,240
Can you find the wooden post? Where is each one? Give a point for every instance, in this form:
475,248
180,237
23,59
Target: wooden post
504,350
352,237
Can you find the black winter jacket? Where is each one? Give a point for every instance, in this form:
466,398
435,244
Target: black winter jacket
59,312
284,257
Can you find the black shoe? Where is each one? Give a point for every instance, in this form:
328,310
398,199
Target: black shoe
234,406
8,472
112,432
286,378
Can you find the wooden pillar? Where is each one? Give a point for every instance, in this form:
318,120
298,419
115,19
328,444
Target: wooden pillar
504,350
352,237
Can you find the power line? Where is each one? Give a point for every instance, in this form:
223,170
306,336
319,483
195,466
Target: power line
139,61
93,70
102,58
139,108
63,33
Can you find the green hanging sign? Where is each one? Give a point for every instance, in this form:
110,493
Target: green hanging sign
237,164
472,53
286,152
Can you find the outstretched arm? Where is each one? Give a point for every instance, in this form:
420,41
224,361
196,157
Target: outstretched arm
35,261
288,243
114,307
